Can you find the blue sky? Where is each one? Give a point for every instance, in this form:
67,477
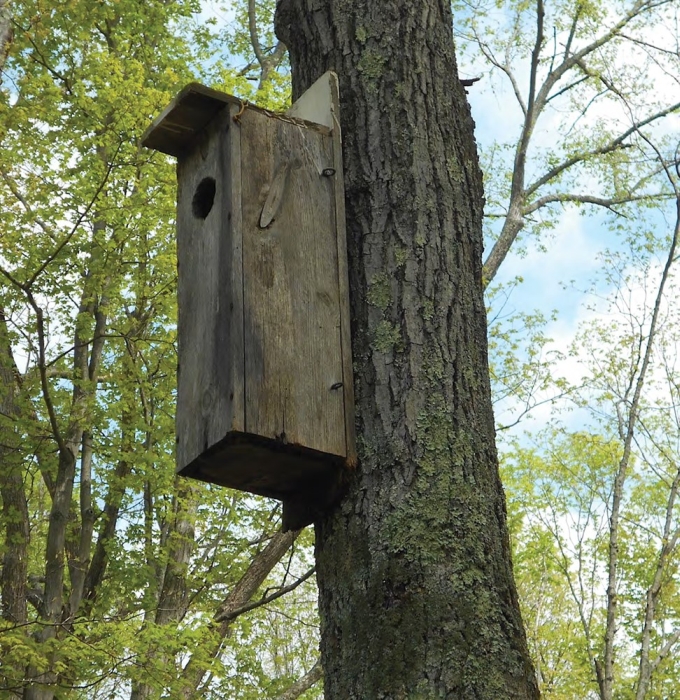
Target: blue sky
558,269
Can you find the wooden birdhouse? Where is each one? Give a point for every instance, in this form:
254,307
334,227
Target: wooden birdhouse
265,400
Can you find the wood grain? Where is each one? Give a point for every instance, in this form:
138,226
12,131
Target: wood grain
210,317
291,293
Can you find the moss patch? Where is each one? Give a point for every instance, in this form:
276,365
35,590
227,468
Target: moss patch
401,256
372,64
379,291
387,337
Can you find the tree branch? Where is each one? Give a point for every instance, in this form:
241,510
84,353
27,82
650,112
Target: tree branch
254,38
23,201
312,676
607,203
233,614
537,101
243,591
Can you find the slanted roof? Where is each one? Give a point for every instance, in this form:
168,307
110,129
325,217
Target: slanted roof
173,131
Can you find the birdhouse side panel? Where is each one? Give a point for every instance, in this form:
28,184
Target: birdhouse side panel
294,372
210,292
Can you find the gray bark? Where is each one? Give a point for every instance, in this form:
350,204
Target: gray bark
5,32
15,520
417,598
14,506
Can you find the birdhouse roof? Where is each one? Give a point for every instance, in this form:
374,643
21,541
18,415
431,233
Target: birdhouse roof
174,130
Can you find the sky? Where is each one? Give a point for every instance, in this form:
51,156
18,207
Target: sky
558,269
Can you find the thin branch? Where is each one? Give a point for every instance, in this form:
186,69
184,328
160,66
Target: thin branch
535,57
310,678
607,203
566,89
572,31
43,61
233,614
254,38
504,67
77,223
610,147
646,44
22,200
259,568
42,368
666,649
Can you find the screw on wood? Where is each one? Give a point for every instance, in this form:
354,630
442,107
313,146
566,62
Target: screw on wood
336,386
328,172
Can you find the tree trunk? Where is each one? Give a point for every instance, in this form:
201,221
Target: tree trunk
15,521
417,598
14,514
172,601
5,32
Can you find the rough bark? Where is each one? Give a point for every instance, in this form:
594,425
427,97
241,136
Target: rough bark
15,520
14,506
5,32
417,598
107,531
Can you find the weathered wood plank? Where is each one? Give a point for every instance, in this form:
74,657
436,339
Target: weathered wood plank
321,104
343,277
294,373
209,394
237,346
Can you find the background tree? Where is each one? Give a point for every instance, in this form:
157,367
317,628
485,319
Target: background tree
596,516
117,578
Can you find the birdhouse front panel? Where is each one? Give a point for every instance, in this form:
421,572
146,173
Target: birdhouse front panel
210,293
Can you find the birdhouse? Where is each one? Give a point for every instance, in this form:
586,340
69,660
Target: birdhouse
265,399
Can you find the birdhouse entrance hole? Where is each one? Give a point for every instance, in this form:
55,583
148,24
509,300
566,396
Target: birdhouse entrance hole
204,198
